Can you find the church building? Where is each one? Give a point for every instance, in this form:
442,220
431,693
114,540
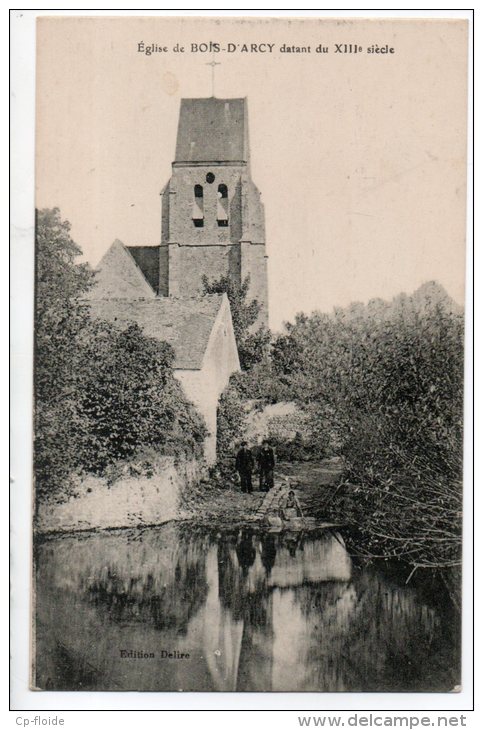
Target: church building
212,225
212,216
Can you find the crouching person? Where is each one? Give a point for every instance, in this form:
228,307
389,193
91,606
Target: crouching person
290,507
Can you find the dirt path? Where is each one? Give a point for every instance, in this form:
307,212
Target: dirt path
312,482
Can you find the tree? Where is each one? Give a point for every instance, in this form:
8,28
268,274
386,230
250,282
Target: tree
390,377
101,393
230,426
132,400
60,320
60,281
252,346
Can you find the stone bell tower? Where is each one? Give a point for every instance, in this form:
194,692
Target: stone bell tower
212,216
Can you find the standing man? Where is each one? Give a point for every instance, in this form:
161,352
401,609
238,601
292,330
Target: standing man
266,464
244,467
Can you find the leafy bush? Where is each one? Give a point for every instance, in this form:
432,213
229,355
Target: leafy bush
261,383
301,436
131,399
101,393
230,427
389,376
252,346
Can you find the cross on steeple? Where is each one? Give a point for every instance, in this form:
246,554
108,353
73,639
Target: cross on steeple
213,63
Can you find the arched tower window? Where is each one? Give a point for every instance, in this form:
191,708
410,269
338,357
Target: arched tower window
222,206
198,207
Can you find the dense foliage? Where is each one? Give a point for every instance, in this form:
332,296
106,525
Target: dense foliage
388,377
101,393
230,427
300,436
252,346
132,400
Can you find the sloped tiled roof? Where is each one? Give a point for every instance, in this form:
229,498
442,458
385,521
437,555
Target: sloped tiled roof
185,323
211,130
147,258
119,275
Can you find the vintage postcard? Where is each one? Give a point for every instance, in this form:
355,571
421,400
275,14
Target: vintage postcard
249,327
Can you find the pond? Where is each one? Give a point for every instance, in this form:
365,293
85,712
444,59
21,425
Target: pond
184,608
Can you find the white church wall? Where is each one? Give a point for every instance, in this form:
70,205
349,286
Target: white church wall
204,387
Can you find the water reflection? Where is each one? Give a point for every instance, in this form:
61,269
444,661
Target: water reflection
254,611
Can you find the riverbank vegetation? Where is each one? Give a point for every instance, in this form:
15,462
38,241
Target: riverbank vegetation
379,386
382,387
102,394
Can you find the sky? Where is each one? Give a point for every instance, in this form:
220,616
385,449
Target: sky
360,158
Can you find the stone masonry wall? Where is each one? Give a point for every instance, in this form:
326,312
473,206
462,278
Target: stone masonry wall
130,502
188,265
180,194
254,264
189,252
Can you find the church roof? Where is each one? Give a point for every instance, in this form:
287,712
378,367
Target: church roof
147,258
212,130
119,275
185,323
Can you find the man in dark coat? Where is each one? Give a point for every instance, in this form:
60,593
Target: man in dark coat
266,465
244,467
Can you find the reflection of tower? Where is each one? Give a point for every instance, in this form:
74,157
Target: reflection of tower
256,656
245,598
255,668
230,589
258,634
222,634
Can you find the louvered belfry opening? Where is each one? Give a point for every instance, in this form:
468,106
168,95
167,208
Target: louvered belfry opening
198,207
222,206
